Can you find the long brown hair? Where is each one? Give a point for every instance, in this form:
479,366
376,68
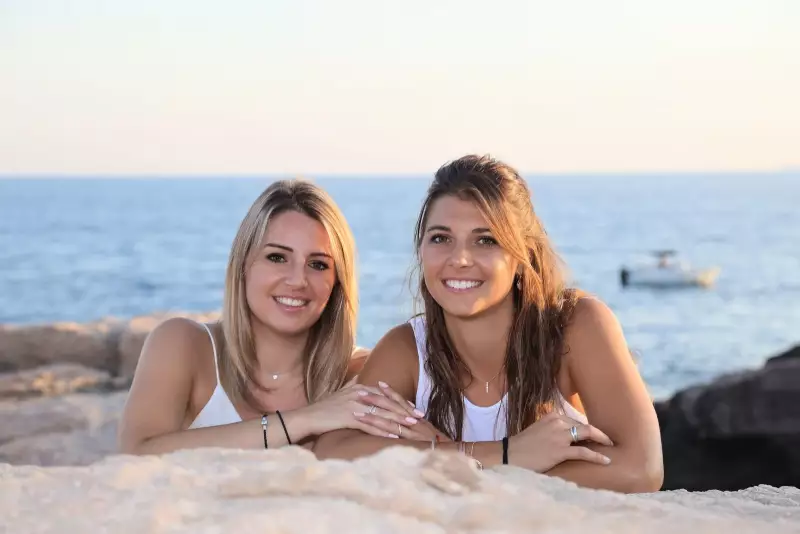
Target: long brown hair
330,342
542,302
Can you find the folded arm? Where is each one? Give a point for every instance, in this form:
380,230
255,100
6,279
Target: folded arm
616,401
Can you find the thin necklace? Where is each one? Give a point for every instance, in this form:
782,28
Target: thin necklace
491,379
276,376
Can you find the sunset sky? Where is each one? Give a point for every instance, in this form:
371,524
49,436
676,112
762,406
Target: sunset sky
249,87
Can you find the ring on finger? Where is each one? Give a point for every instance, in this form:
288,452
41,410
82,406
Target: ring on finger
399,430
573,431
372,409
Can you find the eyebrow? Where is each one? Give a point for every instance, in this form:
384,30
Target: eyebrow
290,249
441,228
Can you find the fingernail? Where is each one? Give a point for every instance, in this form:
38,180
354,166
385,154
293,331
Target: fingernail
383,384
606,460
362,393
395,436
358,414
418,413
411,420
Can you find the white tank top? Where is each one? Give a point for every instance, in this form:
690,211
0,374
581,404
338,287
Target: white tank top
481,423
219,409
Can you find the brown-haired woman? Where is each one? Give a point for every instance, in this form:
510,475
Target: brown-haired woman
272,371
507,363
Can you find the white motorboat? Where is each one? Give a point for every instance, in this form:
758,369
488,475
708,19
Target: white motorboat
667,272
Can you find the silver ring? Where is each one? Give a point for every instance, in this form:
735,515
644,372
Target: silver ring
574,433
372,409
399,430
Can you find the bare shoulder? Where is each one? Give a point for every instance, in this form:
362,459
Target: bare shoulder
175,341
590,316
394,361
593,336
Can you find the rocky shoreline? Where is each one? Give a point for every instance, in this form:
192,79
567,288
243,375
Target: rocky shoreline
62,388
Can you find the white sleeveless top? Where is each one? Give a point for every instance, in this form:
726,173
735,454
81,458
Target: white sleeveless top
219,409
481,423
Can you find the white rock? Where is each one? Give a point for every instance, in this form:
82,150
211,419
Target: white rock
398,490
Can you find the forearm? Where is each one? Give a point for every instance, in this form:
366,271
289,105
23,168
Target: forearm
627,472
243,435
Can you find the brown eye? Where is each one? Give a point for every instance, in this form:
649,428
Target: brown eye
438,239
319,265
276,258
487,241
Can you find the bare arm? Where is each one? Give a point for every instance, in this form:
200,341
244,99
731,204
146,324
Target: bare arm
616,401
393,361
153,420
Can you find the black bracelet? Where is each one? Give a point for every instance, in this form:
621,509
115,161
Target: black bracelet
505,450
284,427
264,423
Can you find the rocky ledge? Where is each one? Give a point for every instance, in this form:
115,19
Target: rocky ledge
398,490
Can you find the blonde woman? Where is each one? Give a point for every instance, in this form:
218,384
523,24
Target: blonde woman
274,371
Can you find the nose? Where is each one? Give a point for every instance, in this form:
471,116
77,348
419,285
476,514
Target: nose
297,276
461,256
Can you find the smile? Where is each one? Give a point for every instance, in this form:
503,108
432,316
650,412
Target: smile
462,285
291,302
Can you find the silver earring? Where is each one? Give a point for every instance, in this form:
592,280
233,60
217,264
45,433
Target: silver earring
519,282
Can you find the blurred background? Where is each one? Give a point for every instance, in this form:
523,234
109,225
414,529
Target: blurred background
135,135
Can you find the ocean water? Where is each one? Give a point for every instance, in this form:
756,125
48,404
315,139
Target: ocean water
81,249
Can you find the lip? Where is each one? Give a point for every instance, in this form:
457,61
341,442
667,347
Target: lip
466,289
290,309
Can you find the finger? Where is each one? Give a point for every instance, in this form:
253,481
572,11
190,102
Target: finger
592,433
367,389
371,430
385,403
399,399
387,425
585,454
402,418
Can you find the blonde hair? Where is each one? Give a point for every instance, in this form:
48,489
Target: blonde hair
331,339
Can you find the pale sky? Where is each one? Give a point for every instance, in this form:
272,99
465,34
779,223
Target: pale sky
254,87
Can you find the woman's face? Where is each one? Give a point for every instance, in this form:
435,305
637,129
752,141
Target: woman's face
464,268
292,274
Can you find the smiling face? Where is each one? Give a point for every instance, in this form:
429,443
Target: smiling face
291,275
464,268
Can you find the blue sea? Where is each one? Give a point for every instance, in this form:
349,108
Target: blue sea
79,249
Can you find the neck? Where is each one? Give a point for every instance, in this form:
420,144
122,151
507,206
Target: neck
277,354
481,341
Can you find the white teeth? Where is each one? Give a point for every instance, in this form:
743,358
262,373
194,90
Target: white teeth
462,284
296,303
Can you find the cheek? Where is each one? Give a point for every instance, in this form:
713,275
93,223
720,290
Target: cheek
432,259
503,268
258,276
323,283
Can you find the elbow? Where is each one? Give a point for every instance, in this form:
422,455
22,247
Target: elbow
329,445
333,445
648,476
127,444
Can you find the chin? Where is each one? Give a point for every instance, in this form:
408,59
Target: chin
462,310
289,329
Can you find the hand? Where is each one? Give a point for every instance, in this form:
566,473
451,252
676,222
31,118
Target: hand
548,442
396,415
345,409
